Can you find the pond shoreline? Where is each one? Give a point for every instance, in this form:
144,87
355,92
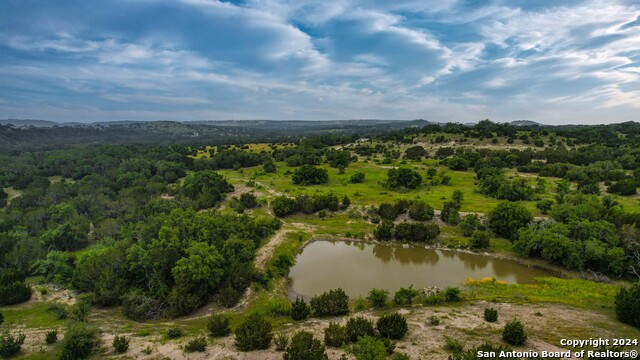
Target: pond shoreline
336,259
532,263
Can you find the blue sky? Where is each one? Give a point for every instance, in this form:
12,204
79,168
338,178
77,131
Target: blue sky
562,61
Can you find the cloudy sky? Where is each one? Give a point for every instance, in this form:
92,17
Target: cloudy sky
553,61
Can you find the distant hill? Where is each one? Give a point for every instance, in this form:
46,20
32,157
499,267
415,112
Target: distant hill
25,135
29,123
525,123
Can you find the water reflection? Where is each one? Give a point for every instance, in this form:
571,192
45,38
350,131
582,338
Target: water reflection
358,267
383,252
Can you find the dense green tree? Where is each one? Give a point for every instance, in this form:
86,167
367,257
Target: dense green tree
385,230
506,218
469,224
420,211
284,206
479,240
628,305
416,232
624,187
3,198
415,152
403,178
310,175
206,187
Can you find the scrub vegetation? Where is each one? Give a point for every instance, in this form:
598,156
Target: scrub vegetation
185,248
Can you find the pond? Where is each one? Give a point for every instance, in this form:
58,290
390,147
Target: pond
357,267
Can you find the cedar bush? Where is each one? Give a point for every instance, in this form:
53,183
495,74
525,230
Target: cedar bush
304,346
79,341
299,310
378,297
281,341
369,347
121,344
218,325
332,303
51,337
254,333
628,305
359,326
491,315
335,335
10,345
392,326
514,333
198,344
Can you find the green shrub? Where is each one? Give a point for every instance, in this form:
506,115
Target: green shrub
335,335
1,318
304,346
389,345
333,303
281,341
198,344
480,240
452,294
359,326
14,293
79,341
51,337
121,344
420,211
10,345
491,315
299,310
434,320
254,333
369,348
393,326
628,305
453,345
357,178
405,296
378,297
384,230
174,333
472,354
218,325
514,333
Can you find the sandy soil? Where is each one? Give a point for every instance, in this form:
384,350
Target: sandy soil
546,324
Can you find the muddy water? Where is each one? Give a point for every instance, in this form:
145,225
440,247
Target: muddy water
358,267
